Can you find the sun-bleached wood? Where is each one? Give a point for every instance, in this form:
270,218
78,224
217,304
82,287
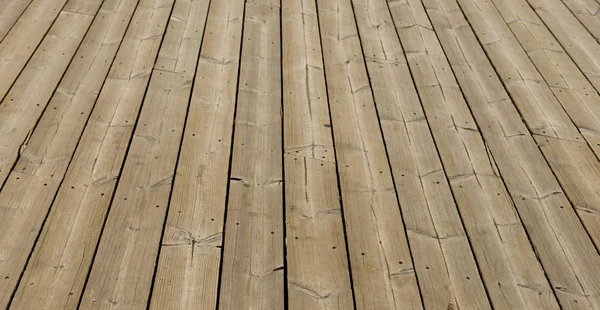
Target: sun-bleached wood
588,13
20,215
86,190
10,11
382,267
542,205
445,266
505,257
49,151
128,248
66,217
574,91
569,84
129,244
253,258
575,165
582,47
318,275
27,99
188,268
32,28
387,154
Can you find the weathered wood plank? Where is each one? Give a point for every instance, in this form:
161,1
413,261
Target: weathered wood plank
51,147
445,266
123,268
30,30
318,275
49,254
583,48
568,83
81,203
188,268
20,216
382,267
588,13
10,11
513,276
574,163
253,259
24,104
562,244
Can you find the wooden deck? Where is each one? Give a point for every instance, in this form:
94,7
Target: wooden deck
301,154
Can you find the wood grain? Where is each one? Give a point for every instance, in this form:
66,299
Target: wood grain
51,148
253,259
10,11
572,160
543,206
382,267
447,272
505,257
318,274
188,268
128,249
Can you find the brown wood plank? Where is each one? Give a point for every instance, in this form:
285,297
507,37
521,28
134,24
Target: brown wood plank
563,246
26,101
84,196
128,249
129,244
513,276
588,13
304,154
188,268
23,39
10,11
49,152
253,247
318,275
446,269
382,267
22,217
568,83
56,288
577,96
574,163
583,48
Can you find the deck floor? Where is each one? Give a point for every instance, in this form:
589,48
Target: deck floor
301,154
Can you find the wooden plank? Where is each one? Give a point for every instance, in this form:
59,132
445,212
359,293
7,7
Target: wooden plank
188,268
253,248
577,96
574,163
318,274
567,82
22,217
53,142
10,11
445,266
80,206
24,104
180,47
382,267
588,13
562,244
572,35
51,147
513,276
123,268
29,96
23,39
